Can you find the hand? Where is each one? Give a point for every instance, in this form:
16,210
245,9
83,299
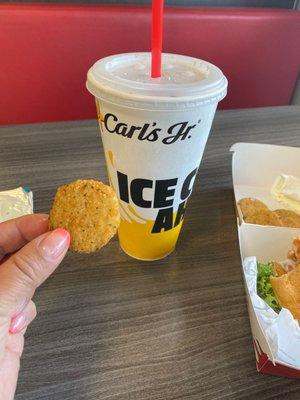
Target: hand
28,255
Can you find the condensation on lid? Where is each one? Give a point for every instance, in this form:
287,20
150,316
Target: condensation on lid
128,76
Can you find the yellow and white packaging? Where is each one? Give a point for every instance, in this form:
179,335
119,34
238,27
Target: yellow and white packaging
154,133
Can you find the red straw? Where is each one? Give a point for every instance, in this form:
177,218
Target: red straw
156,43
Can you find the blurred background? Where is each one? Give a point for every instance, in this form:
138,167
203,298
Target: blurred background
292,4
49,46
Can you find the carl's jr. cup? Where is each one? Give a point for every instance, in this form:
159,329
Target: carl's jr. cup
154,131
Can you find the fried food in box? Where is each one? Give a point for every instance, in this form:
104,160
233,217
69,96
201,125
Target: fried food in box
288,218
278,269
278,283
287,290
256,212
251,206
263,217
89,210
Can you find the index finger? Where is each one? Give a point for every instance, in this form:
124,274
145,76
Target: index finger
15,233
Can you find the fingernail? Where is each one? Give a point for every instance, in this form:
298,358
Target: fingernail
55,243
17,323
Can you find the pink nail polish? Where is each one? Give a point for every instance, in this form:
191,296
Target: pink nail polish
17,323
55,243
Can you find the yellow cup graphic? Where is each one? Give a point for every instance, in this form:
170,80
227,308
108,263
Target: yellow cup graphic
138,241
154,133
147,239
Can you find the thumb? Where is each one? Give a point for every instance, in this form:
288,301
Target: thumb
25,270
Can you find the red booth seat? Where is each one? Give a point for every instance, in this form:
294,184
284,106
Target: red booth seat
46,51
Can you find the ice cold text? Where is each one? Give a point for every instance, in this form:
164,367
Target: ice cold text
161,197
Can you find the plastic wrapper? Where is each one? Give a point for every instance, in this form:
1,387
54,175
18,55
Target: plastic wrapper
282,331
15,203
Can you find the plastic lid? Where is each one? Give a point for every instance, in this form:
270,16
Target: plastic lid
186,81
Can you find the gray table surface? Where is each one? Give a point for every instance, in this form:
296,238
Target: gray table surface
111,327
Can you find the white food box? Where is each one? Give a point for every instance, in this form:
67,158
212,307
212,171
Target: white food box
276,337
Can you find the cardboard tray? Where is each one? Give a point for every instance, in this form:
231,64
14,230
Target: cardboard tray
254,169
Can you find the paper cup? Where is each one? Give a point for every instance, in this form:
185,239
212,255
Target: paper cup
154,133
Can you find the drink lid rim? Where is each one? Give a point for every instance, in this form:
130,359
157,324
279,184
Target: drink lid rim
105,85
